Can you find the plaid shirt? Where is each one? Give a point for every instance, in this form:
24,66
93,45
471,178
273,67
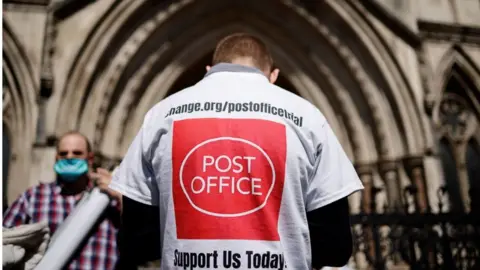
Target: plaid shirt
46,201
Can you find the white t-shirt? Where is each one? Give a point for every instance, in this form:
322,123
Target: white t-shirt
234,164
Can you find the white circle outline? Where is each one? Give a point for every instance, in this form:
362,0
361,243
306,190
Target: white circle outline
227,215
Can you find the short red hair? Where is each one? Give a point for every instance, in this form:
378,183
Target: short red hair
242,45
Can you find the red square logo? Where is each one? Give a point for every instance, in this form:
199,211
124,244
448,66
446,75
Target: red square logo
228,177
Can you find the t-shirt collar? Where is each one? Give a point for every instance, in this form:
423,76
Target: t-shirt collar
228,67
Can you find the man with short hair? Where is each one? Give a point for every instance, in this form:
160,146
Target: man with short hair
55,201
235,172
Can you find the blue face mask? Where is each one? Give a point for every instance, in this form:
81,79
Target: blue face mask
70,170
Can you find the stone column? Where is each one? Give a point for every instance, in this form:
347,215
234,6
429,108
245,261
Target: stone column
459,151
365,174
417,176
392,183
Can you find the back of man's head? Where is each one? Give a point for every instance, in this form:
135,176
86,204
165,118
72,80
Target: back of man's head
242,48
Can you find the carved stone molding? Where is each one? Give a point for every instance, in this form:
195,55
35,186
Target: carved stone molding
425,75
453,117
384,130
363,80
46,76
359,152
386,166
390,21
449,32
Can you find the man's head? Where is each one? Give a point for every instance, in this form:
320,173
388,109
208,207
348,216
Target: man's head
74,144
247,50
74,156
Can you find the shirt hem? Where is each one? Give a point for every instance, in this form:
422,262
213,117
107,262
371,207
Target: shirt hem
124,190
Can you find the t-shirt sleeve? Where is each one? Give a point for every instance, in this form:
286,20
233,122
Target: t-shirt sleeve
334,176
134,178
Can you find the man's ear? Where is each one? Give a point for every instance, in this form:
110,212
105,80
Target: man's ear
208,68
274,75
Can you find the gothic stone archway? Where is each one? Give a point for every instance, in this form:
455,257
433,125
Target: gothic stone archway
331,56
19,111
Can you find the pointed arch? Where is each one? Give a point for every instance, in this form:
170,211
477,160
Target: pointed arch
157,59
133,57
456,114
392,82
457,74
456,60
19,108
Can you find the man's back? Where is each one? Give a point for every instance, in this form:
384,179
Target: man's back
234,165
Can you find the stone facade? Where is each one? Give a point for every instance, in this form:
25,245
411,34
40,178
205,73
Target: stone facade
389,75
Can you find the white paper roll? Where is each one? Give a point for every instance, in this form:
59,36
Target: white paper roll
73,230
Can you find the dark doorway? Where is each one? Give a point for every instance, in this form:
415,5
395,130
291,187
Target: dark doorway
196,72
6,161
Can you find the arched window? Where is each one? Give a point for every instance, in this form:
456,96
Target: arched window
457,117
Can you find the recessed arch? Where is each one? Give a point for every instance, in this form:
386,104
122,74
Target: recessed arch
457,69
455,59
456,115
387,75
193,51
143,67
19,108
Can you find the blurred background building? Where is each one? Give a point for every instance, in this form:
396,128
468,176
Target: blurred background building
399,81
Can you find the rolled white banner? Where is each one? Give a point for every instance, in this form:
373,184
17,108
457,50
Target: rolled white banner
73,230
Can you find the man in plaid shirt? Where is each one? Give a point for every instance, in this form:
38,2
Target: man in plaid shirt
55,201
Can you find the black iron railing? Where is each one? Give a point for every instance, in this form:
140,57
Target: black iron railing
418,240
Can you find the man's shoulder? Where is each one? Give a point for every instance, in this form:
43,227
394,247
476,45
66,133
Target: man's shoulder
164,105
294,97
40,188
296,101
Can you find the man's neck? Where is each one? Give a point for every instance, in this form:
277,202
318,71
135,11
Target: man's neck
230,67
75,188
244,61
247,62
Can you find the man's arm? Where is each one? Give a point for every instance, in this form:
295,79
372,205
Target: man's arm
135,180
139,234
330,234
333,179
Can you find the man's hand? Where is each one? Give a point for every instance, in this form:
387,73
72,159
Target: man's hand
102,179
25,244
